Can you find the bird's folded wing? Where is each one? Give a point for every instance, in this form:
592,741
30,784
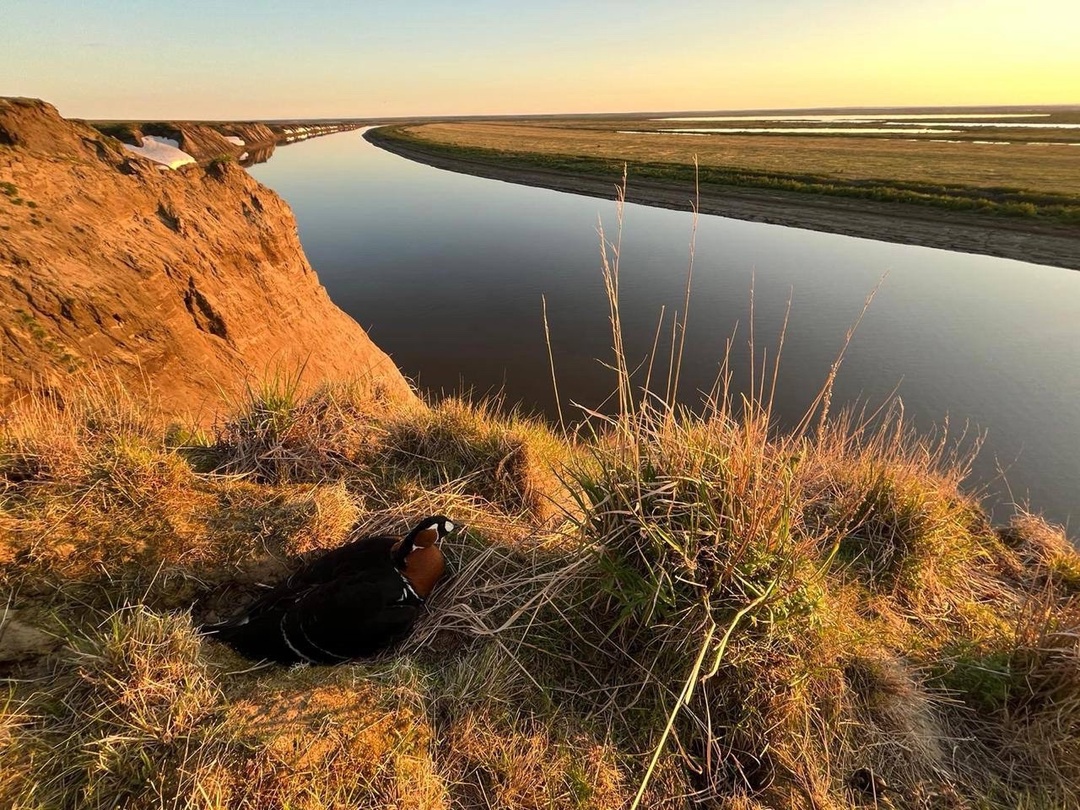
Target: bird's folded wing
350,617
360,556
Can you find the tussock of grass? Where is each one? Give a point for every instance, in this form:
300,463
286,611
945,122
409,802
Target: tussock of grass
129,712
506,462
1043,550
893,501
277,434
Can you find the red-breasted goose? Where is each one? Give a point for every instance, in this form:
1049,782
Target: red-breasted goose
351,602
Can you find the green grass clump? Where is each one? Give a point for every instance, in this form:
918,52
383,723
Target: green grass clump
708,583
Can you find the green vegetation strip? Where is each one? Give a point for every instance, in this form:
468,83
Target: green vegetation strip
1002,201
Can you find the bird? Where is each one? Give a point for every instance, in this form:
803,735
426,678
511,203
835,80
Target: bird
352,602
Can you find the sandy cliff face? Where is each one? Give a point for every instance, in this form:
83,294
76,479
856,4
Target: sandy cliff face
203,142
193,279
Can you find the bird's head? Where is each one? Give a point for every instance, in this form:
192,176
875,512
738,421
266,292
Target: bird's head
428,532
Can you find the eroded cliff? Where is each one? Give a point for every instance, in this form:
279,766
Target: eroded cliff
192,279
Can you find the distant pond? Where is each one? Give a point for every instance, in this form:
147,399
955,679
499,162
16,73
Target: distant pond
447,271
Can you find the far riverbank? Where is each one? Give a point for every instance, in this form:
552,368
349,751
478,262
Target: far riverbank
1005,237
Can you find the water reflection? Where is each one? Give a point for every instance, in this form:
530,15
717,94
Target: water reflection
447,271
256,155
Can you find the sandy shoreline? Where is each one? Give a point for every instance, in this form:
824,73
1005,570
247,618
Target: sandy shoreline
1009,238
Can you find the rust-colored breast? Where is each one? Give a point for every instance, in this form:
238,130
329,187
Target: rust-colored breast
424,568
426,538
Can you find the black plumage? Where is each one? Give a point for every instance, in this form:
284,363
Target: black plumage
321,625
353,601
365,554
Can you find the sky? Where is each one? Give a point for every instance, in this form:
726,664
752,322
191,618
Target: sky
211,59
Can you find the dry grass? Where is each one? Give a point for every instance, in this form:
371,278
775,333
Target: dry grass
127,713
731,613
335,741
499,764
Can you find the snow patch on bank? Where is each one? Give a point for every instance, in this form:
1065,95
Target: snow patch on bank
235,141
165,151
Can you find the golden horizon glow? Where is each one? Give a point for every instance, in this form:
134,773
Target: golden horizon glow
473,57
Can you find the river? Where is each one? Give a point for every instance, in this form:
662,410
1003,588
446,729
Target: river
447,273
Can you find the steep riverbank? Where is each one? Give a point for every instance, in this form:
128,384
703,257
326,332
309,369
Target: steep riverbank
1005,237
191,279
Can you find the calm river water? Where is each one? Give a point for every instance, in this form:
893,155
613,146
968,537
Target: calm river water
446,272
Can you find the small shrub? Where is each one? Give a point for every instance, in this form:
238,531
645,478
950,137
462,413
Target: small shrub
125,132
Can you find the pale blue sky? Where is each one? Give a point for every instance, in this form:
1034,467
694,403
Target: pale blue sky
213,59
